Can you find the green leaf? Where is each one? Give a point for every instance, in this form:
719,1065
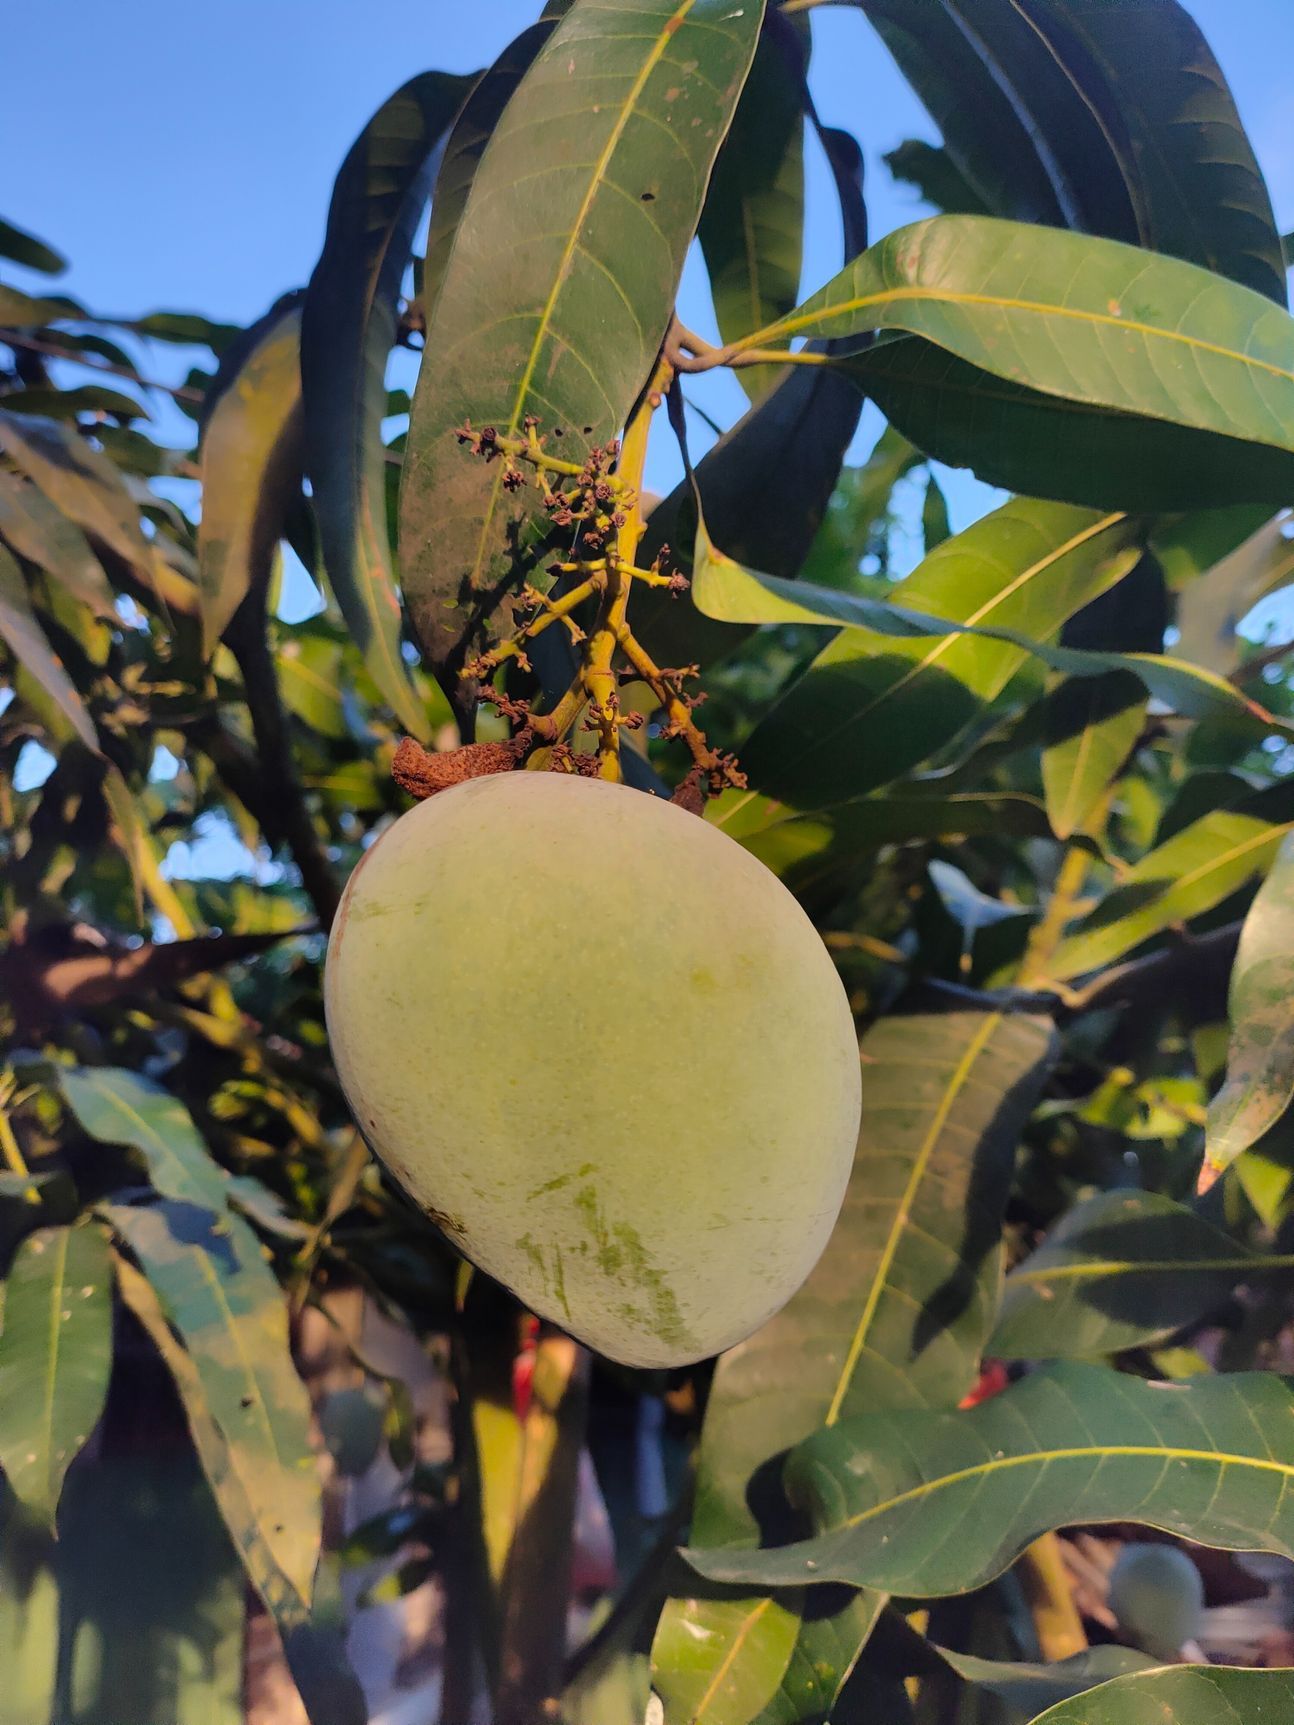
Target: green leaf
29,1612
217,1290
1120,1270
1045,446
51,691
55,1357
872,705
1085,319
820,852
36,530
560,303
121,1107
752,226
24,248
1026,1686
936,177
251,464
1190,872
19,310
1260,1060
82,398
1182,1695
155,1642
79,480
310,682
988,137
1169,120
186,329
1203,1459
348,328
895,1314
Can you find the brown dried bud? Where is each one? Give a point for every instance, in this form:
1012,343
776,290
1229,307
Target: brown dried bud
422,774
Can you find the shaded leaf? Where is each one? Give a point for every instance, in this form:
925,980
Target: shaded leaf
1260,1060
19,310
752,226
217,1290
29,1611
186,328
348,328
251,464
872,706
560,304
1047,446
51,691
1196,868
935,175
55,1357
79,480
82,398
1086,319
1072,1443
894,1314
1120,1270
1212,604
38,531
120,1107
1026,1686
24,248
1182,1695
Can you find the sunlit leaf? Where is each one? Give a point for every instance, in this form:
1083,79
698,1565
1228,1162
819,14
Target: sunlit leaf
1072,1443
55,1356
40,532
560,303
51,691
120,1107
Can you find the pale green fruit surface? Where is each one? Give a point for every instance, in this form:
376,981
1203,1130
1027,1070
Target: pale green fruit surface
1157,1594
605,1050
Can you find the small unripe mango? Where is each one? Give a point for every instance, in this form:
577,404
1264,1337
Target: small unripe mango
605,1050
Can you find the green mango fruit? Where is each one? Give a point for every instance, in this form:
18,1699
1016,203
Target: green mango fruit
605,1051
1157,1594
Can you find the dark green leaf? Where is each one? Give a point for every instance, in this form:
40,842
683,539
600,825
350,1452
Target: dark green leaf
1026,1687
1260,1061
187,329
895,1314
931,169
55,1356
24,248
1120,1270
51,692
560,304
1086,319
1212,604
222,1298
751,230
251,465
121,1107
19,310
1072,1443
1183,1695
1044,446
41,533
92,398
348,328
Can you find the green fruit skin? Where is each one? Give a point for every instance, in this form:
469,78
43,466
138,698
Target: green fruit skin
605,1050
1157,1594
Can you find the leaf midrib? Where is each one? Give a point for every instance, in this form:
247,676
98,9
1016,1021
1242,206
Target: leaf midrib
600,168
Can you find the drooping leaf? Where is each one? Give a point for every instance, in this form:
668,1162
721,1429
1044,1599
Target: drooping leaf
24,248
51,691
55,1357
1205,1459
251,464
1182,1695
1169,120
348,328
935,175
1027,1686
41,533
895,1314
1260,1061
1120,1270
121,1107
1046,445
1187,874
80,481
1086,319
872,706
558,306
223,1300
752,226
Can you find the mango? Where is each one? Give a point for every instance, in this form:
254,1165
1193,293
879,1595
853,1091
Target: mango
1157,1594
604,1050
